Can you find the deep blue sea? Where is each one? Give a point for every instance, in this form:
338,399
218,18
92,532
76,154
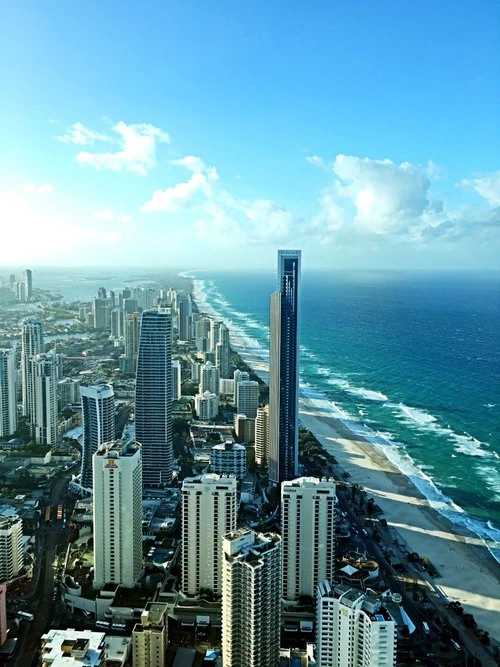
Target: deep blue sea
411,360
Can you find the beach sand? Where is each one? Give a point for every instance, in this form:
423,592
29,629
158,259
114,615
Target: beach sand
468,571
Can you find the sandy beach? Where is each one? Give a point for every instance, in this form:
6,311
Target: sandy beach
468,571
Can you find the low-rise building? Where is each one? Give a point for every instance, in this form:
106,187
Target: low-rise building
229,458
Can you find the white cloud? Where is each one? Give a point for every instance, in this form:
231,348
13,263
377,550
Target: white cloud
317,161
108,215
137,154
179,196
190,162
81,135
40,188
487,186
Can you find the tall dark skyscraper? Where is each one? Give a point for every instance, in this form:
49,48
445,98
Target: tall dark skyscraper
28,283
284,370
153,396
98,418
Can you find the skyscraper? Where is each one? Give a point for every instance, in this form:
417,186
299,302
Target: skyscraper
101,310
117,510
46,375
149,637
98,420
223,351
185,318
176,380
308,534
353,628
153,396
262,436
8,392
208,513
31,345
248,398
209,379
28,283
11,547
284,370
251,599
132,335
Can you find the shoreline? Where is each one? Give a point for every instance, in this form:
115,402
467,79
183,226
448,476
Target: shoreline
469,572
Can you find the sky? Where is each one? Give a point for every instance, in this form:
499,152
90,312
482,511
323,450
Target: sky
208,135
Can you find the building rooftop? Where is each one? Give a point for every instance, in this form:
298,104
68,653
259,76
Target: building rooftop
64,648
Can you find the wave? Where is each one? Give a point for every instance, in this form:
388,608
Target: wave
255,355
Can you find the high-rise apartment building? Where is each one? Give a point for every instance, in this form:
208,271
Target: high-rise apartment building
208,513
176,380
11,547
284,370
8,392
28,283
117,323
239,376
353,628
248,398
3,613
185,308
68,392
223,352
251,599
31,345
150,637
132,331
130,305
46,417
229,458
209,378
206,406
202,334
308,535
101,310
262,436
98,421
153,396
215,326
117,513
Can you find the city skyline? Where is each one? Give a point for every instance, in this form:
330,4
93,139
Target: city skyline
363,159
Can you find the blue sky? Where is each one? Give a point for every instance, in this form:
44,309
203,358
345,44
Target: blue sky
192,134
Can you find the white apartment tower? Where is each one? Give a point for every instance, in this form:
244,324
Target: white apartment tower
251,599
46,375
8,392
176,379
150,637
206,406
98,420
223,352
353,628
31,345
208,513
239,376
248,398
11,547
308,534
262,436
229,458
209,378
117,510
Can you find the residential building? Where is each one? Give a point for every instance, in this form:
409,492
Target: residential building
248,398
3,613
132,330
11,547
117,514
83,648
223,352
206,406
117,322
8,392
251,599
28,283
31,345
353,628
185,308
208,513
176,380
68,392
150,637
209,378
229,458
101,311
284,370
262,436
308,535
46,417
98,421
244,428
202,334
130,305
214,333
153,396
239,376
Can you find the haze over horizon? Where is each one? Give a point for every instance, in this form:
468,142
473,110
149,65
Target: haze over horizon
184,135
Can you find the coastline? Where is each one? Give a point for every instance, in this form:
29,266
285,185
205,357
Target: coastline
469,573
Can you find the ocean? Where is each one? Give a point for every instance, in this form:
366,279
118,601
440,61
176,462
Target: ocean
411,361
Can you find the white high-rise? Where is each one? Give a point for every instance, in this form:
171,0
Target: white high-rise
11,547
150,637
229,458
223,352
8,392
176,379
353,628
248,398
308,535
98,420
46,375
31,345
239,376
262,436
251,599
117,513
208,512
209,379
206,406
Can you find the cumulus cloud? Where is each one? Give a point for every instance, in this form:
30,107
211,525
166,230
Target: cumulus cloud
108,215
40,188
81,135
487,186
190,162
137,149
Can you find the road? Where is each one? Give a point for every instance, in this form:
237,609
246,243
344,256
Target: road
42,592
